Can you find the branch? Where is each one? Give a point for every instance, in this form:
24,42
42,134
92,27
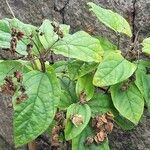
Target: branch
10,9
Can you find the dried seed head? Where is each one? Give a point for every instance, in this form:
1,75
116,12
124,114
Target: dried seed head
20,35
55,135
100,137
8,87
109,127
77,120
89,140
21,98
18,75
82,97
109,116
60,33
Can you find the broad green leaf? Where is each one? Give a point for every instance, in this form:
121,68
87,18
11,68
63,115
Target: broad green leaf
81,46
146,45
111,19
84,84
129,103
113,69
48,37
100,104
106,44
71,131
68,95
77,69
143,83
34,115
78,143
124,123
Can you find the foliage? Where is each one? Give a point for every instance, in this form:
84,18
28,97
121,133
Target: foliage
77,99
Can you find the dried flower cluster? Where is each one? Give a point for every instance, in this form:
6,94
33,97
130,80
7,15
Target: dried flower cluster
103,125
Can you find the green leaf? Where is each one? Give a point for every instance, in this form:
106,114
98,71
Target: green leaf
8,67
106,44
77,69
111,19
5,39
129,103
68,95
27,29
113,69
81,46
4,26
65,29
143,83
124,123
84,84
146,45
5,34
34,115
71,131
78,143
100,104
48,37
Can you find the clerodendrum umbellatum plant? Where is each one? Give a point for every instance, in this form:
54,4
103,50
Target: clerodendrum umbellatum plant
61,97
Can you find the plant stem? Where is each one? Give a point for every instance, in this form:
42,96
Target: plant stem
32,146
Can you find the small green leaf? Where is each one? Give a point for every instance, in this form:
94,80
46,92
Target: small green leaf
146,45
77,69
81,46
100,104
71,131
78,143
65,29
113,69
46,34
143,83
84,84
129,103
111,19
68,95
4,26
106,44
34,115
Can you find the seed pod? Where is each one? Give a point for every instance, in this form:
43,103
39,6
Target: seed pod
18,75
109,127
20,35
100,137
82,97
21,98
89,140
77,120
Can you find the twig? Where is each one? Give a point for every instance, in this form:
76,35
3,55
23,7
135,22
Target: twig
10,9
32,145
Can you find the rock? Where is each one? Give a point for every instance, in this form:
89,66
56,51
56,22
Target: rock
142,18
